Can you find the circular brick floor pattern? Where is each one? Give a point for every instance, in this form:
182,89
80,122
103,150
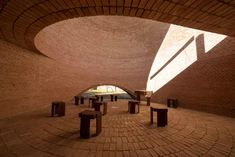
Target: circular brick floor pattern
188,133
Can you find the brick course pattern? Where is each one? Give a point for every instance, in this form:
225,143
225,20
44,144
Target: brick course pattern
79,61
188,133
208,84
22,20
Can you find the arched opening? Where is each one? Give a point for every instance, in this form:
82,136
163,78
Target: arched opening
106,89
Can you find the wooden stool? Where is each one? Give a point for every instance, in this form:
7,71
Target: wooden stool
86,116
172,102
82,100
148,100
161,116
101,98
97,105
58,108
77,100
111,97
92,100
97,97
132,105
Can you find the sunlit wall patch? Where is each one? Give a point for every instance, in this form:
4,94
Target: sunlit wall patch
180,48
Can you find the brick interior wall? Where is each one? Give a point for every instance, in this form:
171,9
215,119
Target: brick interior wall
104,50
30,81
208,84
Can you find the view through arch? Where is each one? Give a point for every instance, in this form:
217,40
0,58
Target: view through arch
107,90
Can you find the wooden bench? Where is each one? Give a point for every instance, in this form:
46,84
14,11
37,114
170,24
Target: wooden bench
132,106
86,116
58,108
161,116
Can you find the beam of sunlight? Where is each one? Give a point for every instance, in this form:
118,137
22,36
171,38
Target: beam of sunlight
177,52
211,40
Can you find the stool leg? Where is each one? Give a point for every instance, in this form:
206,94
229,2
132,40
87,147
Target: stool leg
61,109
98,124
97,107
138,108
111,97
168,103
57,111
151,115
92,103
52,110
148,101
82,100
105,109
85,127
161,118
76,100
132,108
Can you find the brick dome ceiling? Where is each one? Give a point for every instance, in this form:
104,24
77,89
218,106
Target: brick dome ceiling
22,20
111,46
112,37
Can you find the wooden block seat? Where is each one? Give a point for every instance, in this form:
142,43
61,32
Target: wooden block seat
161,116
98,104
132,106
148,100
86,116
92,100
77,98
172,102
58,108
111,97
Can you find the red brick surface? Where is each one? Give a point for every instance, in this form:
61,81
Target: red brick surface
22,20
208,84
79,61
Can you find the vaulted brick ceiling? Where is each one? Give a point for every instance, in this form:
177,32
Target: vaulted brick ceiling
105,49
21,20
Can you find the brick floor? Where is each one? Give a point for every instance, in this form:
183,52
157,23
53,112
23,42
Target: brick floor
188,133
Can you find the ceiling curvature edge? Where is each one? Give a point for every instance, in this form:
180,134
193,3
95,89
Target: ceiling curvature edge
110,37
122,51
22,20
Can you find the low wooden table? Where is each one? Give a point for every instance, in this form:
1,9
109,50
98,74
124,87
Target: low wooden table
58,108
86,116
97,104
161,116
132,105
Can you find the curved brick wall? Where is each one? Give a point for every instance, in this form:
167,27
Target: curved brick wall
208,84
30,81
